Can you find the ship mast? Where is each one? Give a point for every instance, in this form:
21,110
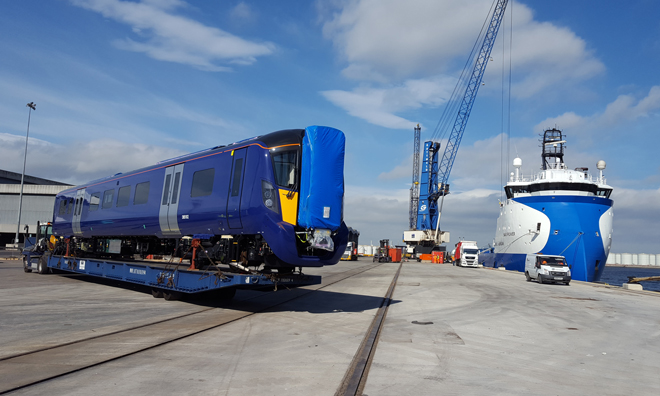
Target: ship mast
553,149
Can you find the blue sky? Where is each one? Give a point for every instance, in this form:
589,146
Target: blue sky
124,84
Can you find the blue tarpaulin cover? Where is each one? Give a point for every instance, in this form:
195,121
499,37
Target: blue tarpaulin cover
322,178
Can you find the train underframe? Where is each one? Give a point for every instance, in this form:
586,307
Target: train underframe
241,252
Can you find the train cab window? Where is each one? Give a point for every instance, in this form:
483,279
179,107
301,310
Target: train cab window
94,201
202,183
63,203
108,196
175,187
123,196
141,193
285,166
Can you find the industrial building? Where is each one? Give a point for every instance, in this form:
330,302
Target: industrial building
38,200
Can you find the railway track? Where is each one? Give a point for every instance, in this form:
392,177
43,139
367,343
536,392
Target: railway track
24,370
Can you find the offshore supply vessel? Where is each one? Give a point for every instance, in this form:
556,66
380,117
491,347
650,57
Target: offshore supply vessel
558,211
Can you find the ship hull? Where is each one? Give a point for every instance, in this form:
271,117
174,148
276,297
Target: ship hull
576,227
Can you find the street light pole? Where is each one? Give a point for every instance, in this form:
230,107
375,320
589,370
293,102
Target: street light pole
32,106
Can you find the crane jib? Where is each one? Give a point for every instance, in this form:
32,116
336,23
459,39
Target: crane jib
435,175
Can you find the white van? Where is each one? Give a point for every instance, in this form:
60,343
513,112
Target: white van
546,268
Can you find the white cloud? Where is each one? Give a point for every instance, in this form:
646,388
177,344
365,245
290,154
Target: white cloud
624,109
545,55
92,160
389,43
377,105
242,11
174,38
398,38
636,216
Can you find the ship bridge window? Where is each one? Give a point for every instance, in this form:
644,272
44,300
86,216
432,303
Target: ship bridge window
511,190
604,192
285,165
563,187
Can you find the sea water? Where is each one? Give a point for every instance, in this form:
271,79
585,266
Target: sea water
617,276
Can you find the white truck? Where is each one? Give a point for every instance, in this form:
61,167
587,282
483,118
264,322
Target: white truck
466,254
547,269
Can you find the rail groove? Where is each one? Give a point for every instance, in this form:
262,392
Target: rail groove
356,377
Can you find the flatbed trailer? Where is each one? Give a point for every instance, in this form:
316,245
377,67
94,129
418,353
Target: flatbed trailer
168,280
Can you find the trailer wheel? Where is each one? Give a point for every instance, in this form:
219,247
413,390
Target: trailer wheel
171,295
26,266
529,278
157,293
42,266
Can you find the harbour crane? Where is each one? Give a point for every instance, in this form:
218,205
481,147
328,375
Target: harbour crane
433,184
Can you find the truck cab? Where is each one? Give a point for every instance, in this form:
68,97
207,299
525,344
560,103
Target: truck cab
547,269
350,254
466,254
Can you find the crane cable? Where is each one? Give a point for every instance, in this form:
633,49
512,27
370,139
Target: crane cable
451,108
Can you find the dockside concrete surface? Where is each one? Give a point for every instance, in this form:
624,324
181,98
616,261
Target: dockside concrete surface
491,333
302,347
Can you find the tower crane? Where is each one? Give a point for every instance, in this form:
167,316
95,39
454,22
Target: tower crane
425,234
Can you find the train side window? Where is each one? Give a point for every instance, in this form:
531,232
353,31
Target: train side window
94,201
63,206
141,193
69,206
175,187
123,196
202,183
166,190
236,182
108,196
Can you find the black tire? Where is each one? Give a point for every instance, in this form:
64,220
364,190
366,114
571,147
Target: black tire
529,278
171,295
539,279
26,267
42,266
157,293
566,283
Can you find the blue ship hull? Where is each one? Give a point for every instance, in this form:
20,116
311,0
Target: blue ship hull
574,233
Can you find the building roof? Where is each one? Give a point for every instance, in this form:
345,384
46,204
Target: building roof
7,177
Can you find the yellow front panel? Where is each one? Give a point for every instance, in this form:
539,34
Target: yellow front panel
289,206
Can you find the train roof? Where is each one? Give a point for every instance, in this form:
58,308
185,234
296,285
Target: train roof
286,137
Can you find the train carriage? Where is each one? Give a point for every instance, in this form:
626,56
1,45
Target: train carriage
275,199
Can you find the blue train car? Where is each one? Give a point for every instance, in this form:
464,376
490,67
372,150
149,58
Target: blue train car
273,202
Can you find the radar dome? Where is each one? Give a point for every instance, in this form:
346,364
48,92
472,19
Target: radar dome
517,162
600,165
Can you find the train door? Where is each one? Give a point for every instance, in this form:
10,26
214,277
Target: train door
236,188
169,203
77,212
